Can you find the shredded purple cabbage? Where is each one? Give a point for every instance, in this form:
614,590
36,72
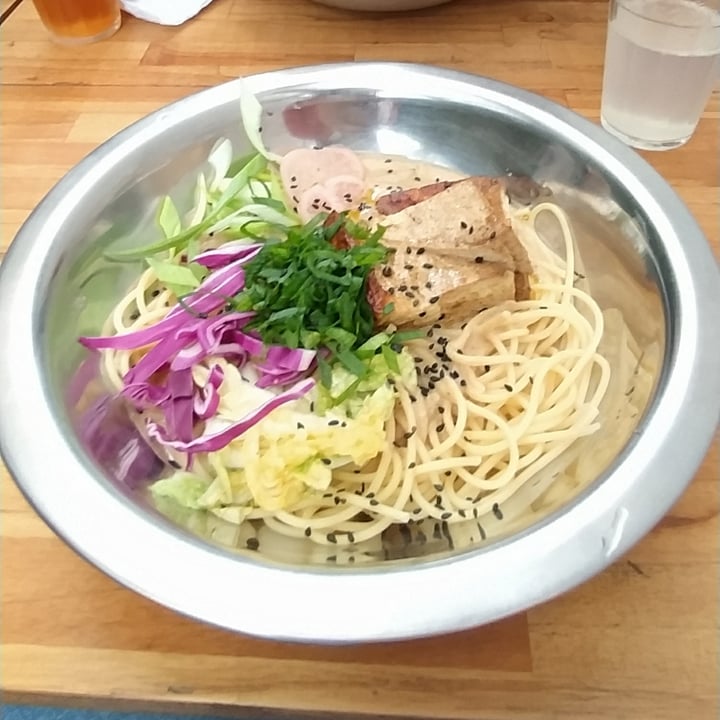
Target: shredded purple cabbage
217,441
114,442
233,250
186,337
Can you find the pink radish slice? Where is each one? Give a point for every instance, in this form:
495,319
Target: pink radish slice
345,191
314,200
302,168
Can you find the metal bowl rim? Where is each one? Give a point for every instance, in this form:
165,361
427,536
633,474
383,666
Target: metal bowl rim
577,543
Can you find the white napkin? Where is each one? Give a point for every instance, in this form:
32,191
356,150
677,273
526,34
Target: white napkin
165,12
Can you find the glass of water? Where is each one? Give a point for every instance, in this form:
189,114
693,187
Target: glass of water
662,59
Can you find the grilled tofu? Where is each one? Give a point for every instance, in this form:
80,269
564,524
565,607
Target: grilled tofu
455,253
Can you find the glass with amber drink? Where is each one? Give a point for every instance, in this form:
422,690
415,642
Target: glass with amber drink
74,22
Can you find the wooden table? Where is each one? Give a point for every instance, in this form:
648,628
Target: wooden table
639,642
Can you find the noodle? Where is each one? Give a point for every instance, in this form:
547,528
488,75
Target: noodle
500,403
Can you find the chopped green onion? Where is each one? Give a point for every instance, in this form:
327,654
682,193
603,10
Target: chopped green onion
391,359
352,363
325,372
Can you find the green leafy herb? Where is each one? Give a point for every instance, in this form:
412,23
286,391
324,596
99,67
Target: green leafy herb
391,358
307,293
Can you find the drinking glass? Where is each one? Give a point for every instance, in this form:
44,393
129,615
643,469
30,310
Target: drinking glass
75,22
662,58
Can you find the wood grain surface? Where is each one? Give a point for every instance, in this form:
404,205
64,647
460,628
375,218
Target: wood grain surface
639,642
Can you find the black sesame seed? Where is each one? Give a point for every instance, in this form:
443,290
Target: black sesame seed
497,512
408,250
447,473
327,461
374,502
420,251
388,160
434,299
428,285
463,225
509,388
300,426
331,538
440,427
308,531
487,368
411,465
417,178
428,266
493,234
333,422
479,259
471,230
446,516
252,543
409,267
174,463
423,313
402,288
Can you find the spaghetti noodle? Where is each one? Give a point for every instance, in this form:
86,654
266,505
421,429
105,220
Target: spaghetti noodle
498,403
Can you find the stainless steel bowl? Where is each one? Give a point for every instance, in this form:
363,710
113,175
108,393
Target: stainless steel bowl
644,254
